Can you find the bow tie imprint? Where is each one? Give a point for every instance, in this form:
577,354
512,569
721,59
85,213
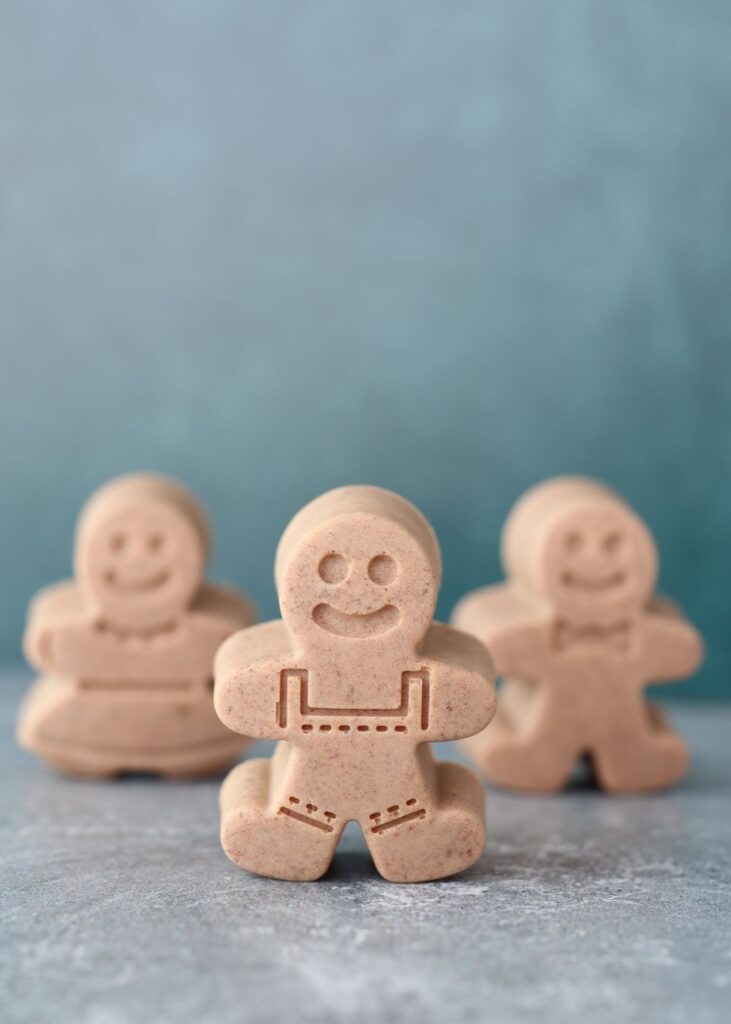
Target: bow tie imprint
612,638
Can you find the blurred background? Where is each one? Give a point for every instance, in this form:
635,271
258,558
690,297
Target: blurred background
452,249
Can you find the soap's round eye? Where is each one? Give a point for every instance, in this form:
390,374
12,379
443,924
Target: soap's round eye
118,542
155,541
333,568
573,540
612,542
382,569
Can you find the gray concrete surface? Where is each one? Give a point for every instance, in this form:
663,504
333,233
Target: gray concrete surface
118,906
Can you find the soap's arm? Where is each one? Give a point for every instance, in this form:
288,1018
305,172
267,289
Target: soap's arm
674,647
461,694
247,672
513,630
52,612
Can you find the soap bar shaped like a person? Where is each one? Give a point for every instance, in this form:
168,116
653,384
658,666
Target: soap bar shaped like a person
126,648
355,680
577,634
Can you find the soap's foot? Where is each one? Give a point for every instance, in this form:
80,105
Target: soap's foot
420,842
641,762
534,763
293,841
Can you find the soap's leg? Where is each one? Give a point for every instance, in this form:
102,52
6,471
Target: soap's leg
426,839
278,838
645,754
536,765
536,758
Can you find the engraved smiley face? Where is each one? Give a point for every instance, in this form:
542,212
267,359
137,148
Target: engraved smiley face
599,557
335,570
138,556
140,563
357,576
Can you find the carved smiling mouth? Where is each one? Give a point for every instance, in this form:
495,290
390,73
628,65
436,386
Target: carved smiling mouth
140,585
570,579
355,625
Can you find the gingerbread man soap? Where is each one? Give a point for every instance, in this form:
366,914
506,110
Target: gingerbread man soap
126,648
577,634
354,682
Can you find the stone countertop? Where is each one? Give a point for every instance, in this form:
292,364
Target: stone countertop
119,906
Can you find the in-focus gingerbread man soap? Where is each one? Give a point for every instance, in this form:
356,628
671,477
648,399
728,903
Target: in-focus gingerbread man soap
577,634
354,681
126,648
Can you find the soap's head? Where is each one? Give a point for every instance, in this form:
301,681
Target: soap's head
576,544
358,566
141,548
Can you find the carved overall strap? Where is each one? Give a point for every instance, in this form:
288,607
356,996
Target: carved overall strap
416,683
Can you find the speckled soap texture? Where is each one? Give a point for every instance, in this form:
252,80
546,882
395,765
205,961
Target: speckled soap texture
577,634
354,681
126,648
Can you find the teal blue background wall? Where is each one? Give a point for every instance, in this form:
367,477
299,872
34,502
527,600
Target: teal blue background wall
450,248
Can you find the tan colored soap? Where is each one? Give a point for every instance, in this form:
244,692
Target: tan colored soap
126,648
577,634
354,682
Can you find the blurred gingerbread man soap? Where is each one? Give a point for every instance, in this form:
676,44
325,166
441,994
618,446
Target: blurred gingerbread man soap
354,682
126,648
577,634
